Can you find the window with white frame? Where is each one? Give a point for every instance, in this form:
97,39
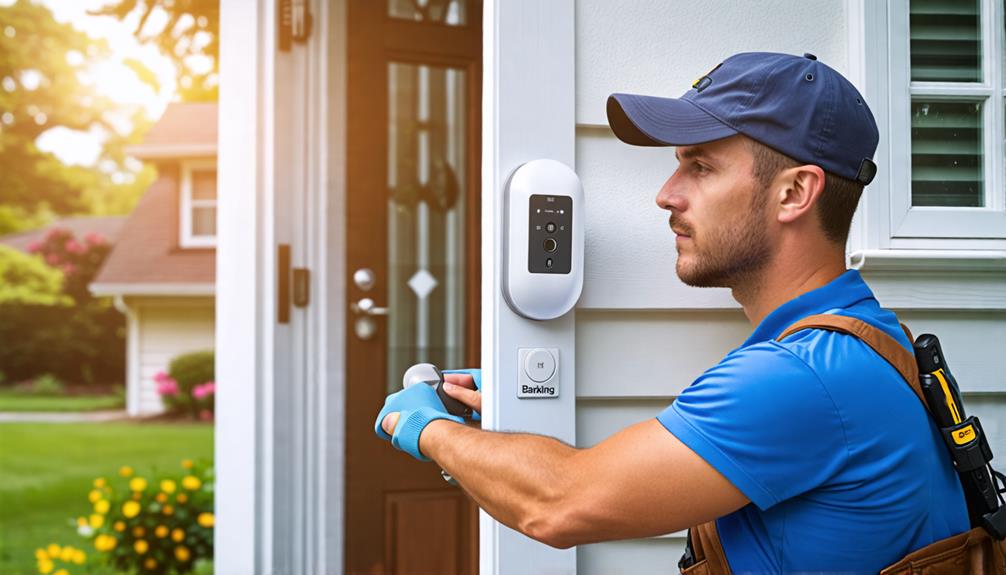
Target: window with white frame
198,205
946,119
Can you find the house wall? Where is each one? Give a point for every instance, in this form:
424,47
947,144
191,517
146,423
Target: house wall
165,329
641,335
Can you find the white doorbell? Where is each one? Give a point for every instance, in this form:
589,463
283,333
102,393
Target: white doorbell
543,223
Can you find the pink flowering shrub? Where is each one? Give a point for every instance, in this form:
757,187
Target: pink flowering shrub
79,260
188,386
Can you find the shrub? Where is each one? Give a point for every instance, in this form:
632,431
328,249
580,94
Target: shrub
160,526
27,280
189,386
47,384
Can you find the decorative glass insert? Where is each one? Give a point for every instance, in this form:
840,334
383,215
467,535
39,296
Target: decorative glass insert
449,12
947,154
946,40
427,167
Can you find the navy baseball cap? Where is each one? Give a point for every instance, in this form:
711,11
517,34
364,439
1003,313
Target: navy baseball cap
795,105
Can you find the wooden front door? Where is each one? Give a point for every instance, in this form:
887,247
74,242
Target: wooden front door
413,129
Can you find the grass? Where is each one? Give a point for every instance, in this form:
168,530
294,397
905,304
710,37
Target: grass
20,401
46,471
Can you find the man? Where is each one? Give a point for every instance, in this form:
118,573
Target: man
812,453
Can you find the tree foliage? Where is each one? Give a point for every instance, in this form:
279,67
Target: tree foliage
46,84
26,279
189,36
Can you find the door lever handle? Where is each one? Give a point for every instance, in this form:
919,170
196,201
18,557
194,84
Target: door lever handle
366,306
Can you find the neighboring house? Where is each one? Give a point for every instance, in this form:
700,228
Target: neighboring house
107,227
161,270
362,165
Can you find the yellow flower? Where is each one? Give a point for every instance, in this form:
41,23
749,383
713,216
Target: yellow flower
150,563
177,535
130,509
94,496
104,542
40,554
161,531
53,550
119,526
79,556
182,553
45,566
125,471
81,521
99,482
101,506
191,482
140,546
168,486
205,519
66,554
97,520
161,498
137,484
62,572
168,510
139,531
187,463
181,498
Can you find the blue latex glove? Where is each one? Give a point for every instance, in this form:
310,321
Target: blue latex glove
477,376
417,406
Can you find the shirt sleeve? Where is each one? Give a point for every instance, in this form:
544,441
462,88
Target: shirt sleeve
764,420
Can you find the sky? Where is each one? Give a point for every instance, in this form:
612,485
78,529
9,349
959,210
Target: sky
112,77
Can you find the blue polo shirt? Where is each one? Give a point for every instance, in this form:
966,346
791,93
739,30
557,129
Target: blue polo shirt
844,469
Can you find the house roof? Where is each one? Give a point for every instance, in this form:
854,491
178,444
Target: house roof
108,226
184,130
147,259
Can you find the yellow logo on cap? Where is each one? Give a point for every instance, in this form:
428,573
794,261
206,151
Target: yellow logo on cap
699,84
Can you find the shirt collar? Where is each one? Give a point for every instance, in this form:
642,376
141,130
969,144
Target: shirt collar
841,292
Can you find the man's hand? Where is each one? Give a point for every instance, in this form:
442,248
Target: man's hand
464,385
414,408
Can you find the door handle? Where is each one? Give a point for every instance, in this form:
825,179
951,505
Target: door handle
366,306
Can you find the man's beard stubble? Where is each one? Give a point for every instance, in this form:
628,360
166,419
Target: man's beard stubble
731,255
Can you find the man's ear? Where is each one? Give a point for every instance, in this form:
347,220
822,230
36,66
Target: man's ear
798,190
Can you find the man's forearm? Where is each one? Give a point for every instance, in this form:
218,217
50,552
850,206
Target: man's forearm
518,478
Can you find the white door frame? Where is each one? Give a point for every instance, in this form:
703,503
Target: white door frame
528,112
279,432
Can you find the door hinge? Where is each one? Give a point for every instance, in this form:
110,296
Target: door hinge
301,287
293,284
294,23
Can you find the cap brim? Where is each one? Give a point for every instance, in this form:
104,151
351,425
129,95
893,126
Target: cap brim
652,121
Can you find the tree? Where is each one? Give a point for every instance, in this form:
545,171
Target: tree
44,85
189,36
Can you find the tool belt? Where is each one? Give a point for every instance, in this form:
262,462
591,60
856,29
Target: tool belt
978,551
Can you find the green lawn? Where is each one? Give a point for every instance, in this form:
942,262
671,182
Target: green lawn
46,471
17,401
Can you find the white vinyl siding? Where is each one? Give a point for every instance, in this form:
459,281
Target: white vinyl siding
166,331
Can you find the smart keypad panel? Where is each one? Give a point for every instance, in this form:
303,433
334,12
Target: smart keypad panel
542,239
550,234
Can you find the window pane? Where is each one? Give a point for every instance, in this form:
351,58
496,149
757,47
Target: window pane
204,184
947,154
204,221
946,40
450,12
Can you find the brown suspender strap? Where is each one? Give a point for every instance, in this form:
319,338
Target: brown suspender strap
885,345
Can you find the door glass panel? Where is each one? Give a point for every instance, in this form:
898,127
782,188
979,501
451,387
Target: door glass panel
450,12
426,206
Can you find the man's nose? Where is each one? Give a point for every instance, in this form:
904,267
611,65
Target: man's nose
670,196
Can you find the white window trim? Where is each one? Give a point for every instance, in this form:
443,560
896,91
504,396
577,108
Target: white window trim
886,219
186,238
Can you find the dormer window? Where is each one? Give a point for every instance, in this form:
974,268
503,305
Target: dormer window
198,205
